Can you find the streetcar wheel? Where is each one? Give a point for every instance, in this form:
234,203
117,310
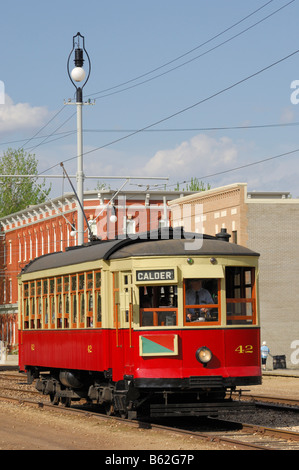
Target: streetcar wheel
109,409
65,401
54,399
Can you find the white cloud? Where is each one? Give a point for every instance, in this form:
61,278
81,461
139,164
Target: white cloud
196,157
20,116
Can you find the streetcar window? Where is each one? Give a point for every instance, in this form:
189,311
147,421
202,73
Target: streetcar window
158,305
81,299
45,303
202,301
240,295
68,301
26,305
89,299
98,306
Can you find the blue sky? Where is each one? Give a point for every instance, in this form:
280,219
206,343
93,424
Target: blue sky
199,88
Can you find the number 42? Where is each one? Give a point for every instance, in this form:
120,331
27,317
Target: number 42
244,349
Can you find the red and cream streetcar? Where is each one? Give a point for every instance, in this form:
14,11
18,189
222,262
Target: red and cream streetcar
114,322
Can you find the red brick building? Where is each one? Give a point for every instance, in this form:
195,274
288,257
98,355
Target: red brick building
51,227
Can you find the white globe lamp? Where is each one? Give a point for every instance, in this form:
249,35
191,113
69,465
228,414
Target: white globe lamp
78,74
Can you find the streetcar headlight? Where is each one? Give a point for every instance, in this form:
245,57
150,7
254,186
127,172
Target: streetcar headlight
203,355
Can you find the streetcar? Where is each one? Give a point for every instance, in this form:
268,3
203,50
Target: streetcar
112,322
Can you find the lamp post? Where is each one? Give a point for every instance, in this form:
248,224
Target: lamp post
78,75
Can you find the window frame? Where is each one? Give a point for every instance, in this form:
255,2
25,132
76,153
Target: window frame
160,309
238,319
54,302
186,307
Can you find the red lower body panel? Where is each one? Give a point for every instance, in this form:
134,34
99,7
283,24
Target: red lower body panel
144,354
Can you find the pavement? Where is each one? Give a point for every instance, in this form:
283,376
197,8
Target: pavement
11,362
282,372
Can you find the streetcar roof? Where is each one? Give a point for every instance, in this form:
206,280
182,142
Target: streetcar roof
191,245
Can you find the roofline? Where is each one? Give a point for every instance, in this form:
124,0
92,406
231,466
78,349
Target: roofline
209,192
94,194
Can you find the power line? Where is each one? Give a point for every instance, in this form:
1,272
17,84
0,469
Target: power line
250,164
196,129
190,60
222,172
223,90
182,55
42,128
62,135
168,63
204,100
50,135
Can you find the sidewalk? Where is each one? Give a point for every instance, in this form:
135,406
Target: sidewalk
10,363
282,372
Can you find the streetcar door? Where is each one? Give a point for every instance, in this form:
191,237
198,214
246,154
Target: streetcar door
126,311
122,299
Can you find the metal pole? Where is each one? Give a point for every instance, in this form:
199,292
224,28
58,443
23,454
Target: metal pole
80,174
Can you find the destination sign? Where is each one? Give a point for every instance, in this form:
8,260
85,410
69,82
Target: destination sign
155,275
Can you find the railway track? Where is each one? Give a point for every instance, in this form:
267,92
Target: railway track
233,434
242,436
283,403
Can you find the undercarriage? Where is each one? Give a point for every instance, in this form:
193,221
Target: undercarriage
137,398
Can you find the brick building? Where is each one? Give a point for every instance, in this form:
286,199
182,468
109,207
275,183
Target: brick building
51,227
269,224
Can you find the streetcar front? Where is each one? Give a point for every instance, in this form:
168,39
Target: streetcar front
197,336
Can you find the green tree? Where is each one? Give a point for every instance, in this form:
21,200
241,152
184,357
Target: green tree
195,185
18,193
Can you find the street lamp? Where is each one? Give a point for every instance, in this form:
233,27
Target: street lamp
78,75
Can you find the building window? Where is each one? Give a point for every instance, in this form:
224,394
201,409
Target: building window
10,290
10,252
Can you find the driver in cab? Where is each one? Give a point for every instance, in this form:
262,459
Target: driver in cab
197,295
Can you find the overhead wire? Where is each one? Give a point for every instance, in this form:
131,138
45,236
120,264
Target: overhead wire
43,127
173,60
61,135
240,167
190,60
187,108
196,129
50,135
148,127
182,55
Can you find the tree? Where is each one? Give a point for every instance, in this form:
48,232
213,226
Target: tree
18,193
195,185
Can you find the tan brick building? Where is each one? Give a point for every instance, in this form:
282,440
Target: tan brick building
269,224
